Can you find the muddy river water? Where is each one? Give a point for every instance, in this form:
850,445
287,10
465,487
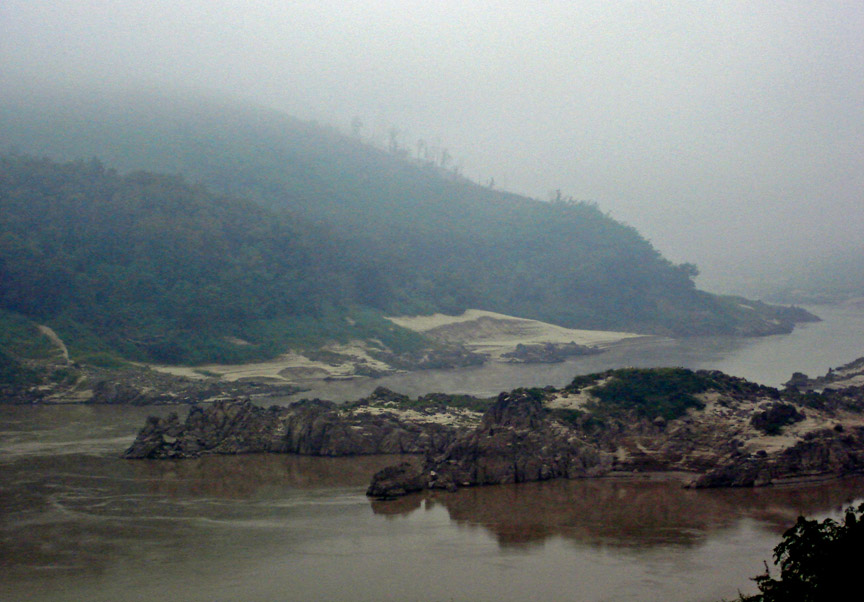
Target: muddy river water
78,523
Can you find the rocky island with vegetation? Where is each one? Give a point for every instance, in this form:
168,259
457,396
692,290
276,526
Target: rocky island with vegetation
711,429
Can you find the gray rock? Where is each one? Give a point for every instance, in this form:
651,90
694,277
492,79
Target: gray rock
306,427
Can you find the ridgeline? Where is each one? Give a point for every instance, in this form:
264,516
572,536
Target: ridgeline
295,234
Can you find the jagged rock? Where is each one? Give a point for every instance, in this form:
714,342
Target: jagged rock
548,353
395,481
306,427
798,382
519,439
386,395
821,453
539,434
845,376
514,443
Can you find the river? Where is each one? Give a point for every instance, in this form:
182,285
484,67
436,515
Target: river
78,523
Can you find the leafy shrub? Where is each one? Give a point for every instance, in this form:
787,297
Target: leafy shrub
818,561
772,420
666,392
12,372
21,337
568,415
582,381
103,360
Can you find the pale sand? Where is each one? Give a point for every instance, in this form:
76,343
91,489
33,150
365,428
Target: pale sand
481,331
452,417
55,340
287,368
494,334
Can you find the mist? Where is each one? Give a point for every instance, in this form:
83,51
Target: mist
730,134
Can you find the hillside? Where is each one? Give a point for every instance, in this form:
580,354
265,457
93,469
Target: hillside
330,222
151,268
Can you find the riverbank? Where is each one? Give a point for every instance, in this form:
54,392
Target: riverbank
471,339
489,335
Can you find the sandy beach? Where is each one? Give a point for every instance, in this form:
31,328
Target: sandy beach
480,331
494,334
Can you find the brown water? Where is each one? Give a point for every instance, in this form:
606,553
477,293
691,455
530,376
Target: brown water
78,523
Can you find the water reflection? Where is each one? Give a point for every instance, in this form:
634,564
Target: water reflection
257,475
99,522
632,513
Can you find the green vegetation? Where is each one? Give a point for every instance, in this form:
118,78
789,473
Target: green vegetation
100,359
332,235
13,372
20,341
148,267
772,420
818,561
429,402
330,223
21,337
582,381
650,392
569,416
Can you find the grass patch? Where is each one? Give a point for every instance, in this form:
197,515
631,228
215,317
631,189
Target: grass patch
21,337
102,359
12,372
665,392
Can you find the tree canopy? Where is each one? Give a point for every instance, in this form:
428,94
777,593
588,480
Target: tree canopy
818,561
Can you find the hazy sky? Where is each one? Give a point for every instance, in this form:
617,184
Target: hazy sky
731,134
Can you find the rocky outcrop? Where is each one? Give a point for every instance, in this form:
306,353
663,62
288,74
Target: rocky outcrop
829,452
740,435
729,433
548,353
396,481
440,357
515,442
134,385
842,377
306,427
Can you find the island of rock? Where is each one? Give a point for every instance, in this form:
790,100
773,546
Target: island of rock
713,429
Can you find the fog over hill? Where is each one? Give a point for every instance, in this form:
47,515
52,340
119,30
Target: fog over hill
730,134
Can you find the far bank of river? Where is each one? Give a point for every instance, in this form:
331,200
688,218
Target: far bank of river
811,348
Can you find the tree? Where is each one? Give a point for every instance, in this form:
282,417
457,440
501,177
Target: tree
818,561
689,269
356,126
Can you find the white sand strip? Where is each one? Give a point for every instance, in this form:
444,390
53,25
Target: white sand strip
494,333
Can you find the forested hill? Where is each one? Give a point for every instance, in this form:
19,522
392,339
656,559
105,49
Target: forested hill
157,269
330,223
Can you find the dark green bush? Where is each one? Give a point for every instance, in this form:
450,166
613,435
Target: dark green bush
652,392
818,560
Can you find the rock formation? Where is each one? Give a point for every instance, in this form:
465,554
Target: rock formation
309,427
842,377
514,443
714,429
547,353
734,434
